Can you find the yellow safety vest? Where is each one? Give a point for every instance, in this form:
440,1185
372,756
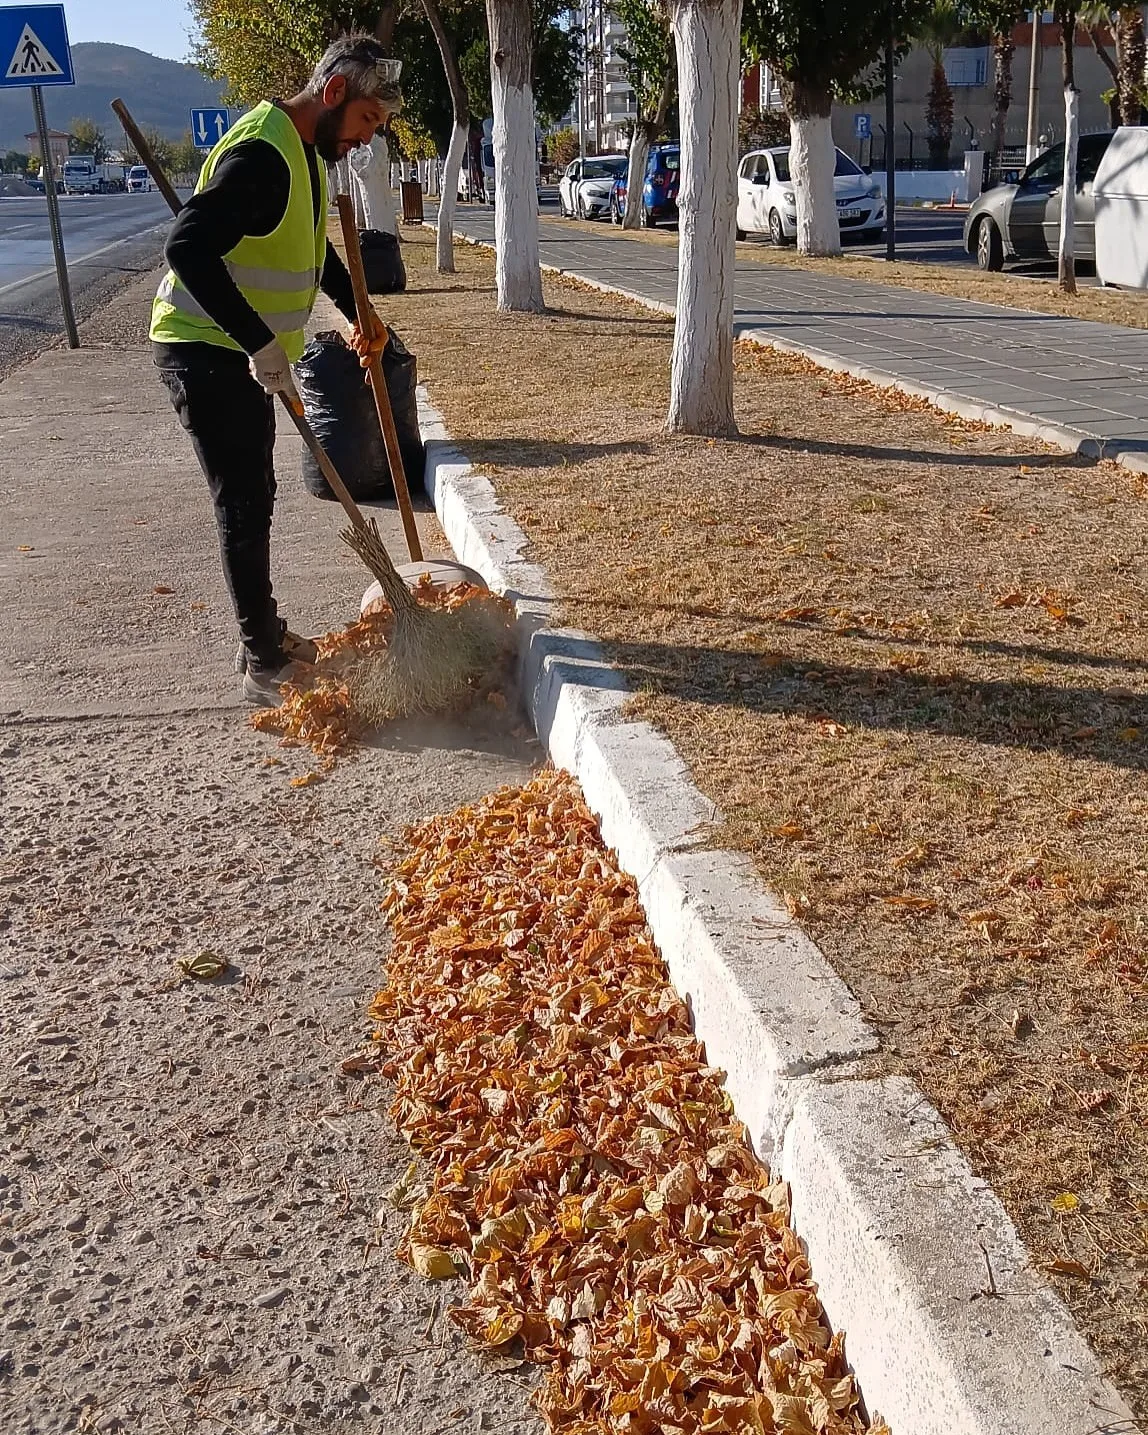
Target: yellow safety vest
277,273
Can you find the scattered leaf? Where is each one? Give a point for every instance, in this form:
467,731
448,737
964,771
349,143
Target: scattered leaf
203,967
431,1262
1065,1202
162,589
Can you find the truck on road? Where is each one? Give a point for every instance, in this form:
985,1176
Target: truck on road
82,175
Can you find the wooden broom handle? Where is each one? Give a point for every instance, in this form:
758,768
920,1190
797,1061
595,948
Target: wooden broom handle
378,382
298,417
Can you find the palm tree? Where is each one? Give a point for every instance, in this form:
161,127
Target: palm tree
938,30
1125,62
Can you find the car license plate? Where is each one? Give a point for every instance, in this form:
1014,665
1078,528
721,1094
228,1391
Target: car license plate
848,214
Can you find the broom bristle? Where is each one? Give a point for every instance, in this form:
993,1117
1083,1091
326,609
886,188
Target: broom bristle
430,664
432,657
368,544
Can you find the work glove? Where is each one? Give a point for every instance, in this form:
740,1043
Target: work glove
271,368
368,346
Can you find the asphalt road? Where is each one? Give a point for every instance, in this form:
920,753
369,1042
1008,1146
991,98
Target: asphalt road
108,239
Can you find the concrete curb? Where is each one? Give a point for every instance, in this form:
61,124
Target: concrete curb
901,1235
1132,455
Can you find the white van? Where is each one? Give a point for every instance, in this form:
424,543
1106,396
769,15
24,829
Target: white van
139,181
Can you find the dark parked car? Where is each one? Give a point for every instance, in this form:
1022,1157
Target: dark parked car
1022,220
660,191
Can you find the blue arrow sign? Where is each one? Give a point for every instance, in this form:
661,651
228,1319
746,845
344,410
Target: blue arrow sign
209,126
34,47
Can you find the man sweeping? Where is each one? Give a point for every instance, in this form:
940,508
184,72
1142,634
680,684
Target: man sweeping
248,255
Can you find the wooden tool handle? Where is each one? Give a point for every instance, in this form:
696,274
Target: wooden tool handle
298,418
146,154
378,381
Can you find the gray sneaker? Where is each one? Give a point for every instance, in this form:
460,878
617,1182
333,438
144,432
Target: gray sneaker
295,648
261,685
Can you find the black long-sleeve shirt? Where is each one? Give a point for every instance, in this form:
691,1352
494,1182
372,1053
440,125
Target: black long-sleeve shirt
247,195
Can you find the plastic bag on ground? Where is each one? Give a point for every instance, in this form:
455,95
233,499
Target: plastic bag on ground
382,262
341,409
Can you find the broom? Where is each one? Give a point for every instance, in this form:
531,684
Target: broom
433,655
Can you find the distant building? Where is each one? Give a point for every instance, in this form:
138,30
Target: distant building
58,145
969,70
607,103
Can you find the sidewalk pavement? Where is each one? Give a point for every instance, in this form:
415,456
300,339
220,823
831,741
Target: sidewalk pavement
194,1230
1080,384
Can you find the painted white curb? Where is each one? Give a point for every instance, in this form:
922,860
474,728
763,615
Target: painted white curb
901,1234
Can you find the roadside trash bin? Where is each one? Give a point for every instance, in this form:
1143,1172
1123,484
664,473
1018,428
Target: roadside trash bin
341,409
1120,197
382,262
411,194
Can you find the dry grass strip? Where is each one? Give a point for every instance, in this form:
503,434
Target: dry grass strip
588,1173
908,659
1013,291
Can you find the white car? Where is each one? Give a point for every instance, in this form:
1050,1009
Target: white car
766,202
584,190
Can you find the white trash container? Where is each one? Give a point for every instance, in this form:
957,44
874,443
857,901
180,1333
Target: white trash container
1120,194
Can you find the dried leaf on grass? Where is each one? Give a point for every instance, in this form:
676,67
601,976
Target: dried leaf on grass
588,1172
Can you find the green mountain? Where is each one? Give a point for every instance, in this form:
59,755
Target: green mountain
159,93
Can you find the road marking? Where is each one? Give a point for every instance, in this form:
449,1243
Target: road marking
80,259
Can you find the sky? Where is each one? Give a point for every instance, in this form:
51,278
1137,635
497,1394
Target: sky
159,26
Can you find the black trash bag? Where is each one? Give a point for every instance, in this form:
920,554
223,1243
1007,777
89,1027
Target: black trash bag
382,262
341,410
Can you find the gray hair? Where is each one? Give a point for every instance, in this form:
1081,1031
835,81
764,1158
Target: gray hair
365,66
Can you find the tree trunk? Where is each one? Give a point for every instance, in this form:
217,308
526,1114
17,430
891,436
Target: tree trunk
939,116
1131,58
812,161
646,131
640,142
460,106
517,274
707,38
385,24
1066,249
1004,50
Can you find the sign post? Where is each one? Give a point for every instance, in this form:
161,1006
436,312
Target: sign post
209,126
890,145
34,52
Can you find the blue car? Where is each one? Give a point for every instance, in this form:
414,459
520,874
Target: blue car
660,191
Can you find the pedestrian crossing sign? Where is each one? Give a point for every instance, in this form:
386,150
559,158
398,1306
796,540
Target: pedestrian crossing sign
34,47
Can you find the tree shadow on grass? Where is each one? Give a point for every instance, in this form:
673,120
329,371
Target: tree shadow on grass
1076,722
1020,652
956,458
530,453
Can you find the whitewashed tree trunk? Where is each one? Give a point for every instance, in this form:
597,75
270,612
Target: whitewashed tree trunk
707,35
1066,250
812,161
636,176
517,274
369,169
444,244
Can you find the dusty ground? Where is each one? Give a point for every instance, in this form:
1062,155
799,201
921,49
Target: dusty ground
1106,306
907,660
195,1233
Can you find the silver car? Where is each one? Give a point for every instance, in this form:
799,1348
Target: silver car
1022,220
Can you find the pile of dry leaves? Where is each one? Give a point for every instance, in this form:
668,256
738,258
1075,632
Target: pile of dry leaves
588,1174
320,714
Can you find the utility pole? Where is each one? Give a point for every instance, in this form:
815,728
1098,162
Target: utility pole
890,144
1032,144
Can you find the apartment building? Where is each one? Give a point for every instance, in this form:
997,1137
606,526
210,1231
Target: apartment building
606,104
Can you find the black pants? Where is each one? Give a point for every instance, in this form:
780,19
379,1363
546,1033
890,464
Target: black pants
232,426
